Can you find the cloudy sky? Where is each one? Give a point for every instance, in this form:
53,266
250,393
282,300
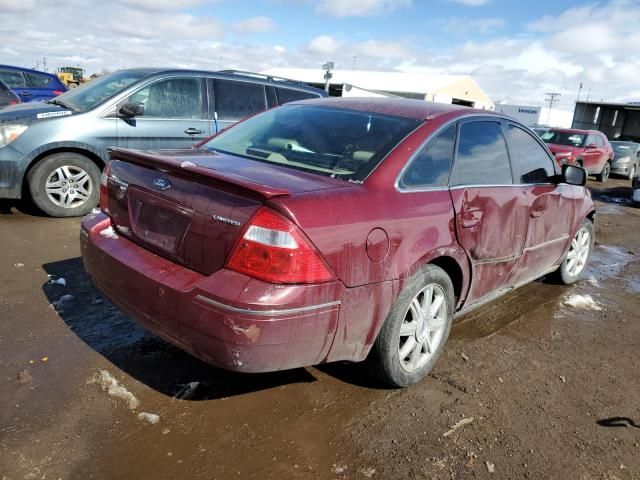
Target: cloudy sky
515,50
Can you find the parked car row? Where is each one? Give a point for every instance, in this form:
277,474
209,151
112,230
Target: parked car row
55,150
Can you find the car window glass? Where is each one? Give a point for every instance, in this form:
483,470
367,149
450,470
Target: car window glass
482,155
530,161
171,98
13,79
430,167
286,95
38,81
236,100
599,141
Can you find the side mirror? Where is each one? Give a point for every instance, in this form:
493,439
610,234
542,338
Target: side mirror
591,145
574,175
132,109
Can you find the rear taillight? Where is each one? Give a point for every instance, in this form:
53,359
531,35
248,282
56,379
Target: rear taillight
275,250
57,92
104,188
13,102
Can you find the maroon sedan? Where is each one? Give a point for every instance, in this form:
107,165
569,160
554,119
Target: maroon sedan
337,229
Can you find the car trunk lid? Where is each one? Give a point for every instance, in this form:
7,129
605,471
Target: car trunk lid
190,206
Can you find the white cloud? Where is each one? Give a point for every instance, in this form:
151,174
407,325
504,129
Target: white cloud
16,5
255,25
324,45
354,8
139,24
163,4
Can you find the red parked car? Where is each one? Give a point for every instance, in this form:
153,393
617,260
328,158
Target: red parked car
338,229
589,149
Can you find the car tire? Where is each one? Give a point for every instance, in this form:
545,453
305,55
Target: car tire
632,172
603,176
65,184
411,339
577,257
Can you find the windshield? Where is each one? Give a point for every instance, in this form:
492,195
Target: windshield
338,143
92,94
563,138
623,148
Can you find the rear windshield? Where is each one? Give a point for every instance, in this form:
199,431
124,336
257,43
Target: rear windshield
563,138
337,143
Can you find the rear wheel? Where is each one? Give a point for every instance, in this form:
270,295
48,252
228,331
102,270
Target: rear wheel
578,255
416,330
603,176
65,184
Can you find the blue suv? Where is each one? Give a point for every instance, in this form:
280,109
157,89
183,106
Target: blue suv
31,85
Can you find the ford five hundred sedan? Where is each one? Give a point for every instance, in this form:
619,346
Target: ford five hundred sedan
335,229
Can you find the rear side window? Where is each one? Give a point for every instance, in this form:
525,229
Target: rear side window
286,95
482,157
38,81
599,141
531,163
172,98
13,79
236,100
430,167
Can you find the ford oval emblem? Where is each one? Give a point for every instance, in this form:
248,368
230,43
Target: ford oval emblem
162,184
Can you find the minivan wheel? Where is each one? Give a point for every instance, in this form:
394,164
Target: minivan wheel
632,172
603,176
65,184
578,255
416,330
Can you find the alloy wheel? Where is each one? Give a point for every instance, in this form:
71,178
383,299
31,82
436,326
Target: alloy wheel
69,186
578,252
422,328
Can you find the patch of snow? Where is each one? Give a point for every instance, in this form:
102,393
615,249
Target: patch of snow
459,424
149,417
95,211
18,265
582,301
593,281
338,469
125,230
59,281
109,384
109,232
188,164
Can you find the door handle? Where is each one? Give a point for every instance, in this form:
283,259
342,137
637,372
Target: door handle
193,131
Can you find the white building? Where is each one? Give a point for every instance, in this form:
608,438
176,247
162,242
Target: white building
531,116
456,89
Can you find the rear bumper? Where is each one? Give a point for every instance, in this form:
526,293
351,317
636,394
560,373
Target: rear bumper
226,318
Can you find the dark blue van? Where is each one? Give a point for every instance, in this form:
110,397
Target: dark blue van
31,85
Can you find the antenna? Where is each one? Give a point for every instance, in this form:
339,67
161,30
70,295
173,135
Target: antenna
552,98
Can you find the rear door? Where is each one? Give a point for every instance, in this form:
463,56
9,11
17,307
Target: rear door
592,156
175,115
550,205
41,86
233,100
491,223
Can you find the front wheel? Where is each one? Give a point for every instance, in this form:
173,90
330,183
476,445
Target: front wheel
65,184
578,255
416,330
603,176
632,172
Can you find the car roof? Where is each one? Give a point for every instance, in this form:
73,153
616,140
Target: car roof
400,107
28,70
227,74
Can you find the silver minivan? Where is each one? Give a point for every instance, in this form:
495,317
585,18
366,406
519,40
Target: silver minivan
54,151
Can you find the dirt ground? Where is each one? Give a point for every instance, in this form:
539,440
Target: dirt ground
529,386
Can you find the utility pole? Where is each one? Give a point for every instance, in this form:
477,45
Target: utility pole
552,98
579,91
327,76
44,64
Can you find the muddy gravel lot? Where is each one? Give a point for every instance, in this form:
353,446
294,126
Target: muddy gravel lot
542,383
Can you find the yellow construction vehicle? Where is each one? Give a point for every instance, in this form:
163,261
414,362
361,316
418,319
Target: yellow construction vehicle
71,76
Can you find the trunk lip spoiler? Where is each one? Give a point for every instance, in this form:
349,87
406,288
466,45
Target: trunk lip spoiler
207,176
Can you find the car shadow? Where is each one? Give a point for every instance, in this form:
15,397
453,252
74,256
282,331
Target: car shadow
618,195
139,353
11,207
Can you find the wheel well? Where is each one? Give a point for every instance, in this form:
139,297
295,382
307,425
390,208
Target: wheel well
592,216
451,267
86,153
